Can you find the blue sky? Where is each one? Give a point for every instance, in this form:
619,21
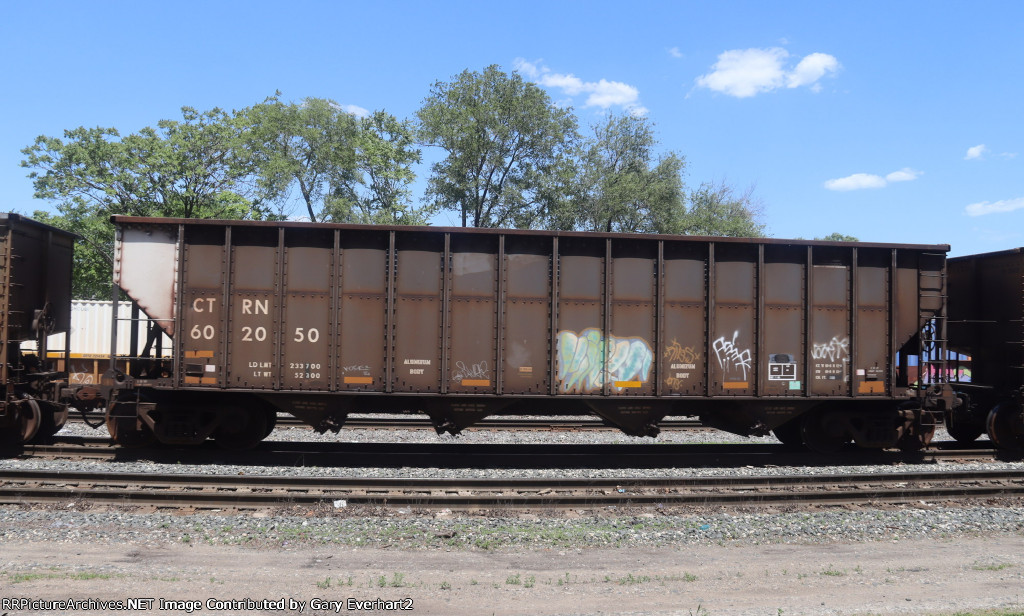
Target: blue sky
890,121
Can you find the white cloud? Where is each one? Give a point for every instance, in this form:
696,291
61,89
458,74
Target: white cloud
859,181
605,93
602,93
976,151
570,84
811,69
903,175
529,69
856,181
1008,205
675,53
357,111
747,72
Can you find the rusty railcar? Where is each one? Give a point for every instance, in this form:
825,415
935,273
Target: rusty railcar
35,302
986,333
810,339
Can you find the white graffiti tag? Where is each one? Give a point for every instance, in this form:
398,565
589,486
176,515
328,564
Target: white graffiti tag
476,371
730,357
835,349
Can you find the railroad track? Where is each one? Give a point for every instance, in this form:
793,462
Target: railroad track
496,456
255,492
418,422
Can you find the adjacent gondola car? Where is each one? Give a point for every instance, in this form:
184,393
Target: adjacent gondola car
35,302
813,340
986,333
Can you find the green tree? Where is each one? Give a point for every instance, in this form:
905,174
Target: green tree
92,265
619,185
310,146
715,209
503,137
193,168
344,168
837,237
385,154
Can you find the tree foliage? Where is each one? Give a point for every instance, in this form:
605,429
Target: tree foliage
619,185
838,237
307,147
716,209
193,168
502,137
343,168
511,159
189,169
385,154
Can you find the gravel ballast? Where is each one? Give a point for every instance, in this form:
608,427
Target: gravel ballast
364,526
920,558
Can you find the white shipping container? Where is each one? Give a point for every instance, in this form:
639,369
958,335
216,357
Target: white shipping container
91,327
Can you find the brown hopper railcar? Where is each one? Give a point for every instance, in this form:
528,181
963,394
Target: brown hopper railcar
812,340
35,302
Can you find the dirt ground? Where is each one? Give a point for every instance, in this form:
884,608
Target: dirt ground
909,577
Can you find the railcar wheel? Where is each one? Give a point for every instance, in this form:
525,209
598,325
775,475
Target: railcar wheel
271,422
823,432
241,428
30,418
963,432
52,418
916,438
125,431
60,418
1006,426
789,434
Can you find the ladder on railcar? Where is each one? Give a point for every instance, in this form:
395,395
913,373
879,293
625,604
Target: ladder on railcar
932,319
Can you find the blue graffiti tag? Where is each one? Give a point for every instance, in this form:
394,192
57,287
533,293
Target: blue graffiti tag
579,360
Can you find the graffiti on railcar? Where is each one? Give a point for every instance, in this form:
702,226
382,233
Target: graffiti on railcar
627,362
677,353
835,349
471,374
833,359
682,363
733,360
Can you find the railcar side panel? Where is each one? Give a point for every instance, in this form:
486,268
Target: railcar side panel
308,341
525,342
418,341
472,316
253,360
580,339
734,319
872,351
363,322
784,317
632,369
203,323
683,349
830,324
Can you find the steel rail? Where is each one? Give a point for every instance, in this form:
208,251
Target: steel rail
286,453
206,491
423,423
